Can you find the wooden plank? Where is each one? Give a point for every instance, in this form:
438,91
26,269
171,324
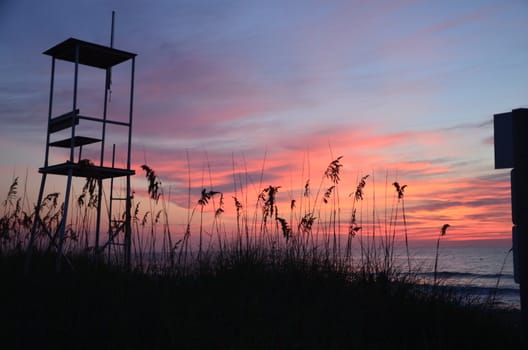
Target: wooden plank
77,141
86,171
63,121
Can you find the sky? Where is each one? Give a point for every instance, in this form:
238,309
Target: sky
235,96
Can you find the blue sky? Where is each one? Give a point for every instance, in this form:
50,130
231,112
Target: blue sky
405,87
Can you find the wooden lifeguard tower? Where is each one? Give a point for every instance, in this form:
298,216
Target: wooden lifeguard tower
65,131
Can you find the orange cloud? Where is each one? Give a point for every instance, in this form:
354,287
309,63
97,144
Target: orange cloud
474,207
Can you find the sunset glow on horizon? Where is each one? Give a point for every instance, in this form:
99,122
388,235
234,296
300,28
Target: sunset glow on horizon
236,96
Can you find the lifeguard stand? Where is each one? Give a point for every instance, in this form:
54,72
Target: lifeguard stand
72,122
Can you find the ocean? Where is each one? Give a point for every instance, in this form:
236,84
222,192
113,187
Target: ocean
476,272
480,272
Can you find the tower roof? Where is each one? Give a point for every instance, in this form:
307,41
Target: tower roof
90,54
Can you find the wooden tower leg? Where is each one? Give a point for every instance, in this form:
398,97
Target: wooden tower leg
62,228
98,220
128,226
36,220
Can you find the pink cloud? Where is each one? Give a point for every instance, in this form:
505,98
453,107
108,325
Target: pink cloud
437,192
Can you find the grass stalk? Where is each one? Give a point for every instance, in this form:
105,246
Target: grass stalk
443,232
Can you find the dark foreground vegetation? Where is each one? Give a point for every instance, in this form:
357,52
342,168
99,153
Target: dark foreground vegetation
237,302
295,277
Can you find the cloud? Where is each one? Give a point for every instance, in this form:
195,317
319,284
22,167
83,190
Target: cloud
437,191
259,95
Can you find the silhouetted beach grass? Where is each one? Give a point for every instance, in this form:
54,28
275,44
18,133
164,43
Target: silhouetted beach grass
281,279
238,302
